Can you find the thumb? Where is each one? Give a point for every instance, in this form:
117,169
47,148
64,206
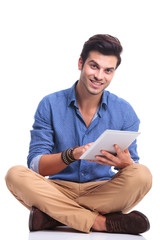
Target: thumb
126,150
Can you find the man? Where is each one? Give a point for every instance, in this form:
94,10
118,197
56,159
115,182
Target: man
84,195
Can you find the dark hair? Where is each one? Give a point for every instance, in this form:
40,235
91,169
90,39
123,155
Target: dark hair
103,43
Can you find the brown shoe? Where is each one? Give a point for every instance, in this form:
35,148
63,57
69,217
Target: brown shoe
131,223
41,221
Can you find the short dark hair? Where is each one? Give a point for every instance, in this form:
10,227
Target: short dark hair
103,43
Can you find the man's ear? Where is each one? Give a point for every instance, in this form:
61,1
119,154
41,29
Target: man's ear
80,64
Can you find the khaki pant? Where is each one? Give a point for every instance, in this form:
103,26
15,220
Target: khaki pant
78,204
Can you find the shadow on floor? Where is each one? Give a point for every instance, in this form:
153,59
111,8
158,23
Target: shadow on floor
66,233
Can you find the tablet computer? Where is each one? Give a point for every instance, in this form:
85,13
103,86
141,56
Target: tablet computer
107,140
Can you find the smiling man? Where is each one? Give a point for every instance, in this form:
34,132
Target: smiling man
85,195
98,70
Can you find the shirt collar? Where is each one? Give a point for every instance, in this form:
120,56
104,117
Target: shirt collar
104,99
72,96
73,102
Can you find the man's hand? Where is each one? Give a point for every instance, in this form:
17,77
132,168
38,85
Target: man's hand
121,160
78,151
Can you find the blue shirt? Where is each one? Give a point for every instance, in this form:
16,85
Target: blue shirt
59,125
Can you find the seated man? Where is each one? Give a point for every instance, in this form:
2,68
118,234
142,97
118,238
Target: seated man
84,195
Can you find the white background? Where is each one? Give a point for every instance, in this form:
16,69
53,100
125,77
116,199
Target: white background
40,43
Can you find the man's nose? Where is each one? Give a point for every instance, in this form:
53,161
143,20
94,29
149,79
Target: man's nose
99,75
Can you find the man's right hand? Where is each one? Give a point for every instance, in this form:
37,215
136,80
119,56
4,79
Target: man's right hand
78,151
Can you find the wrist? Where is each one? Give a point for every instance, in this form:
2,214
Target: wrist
131,163
67,156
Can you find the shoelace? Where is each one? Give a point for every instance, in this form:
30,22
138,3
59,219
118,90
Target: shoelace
115,226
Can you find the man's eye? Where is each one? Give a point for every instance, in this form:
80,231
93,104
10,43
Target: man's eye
108,70
93,66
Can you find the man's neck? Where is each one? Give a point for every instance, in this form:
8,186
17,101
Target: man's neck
87,102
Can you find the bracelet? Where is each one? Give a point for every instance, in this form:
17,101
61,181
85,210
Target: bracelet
67,156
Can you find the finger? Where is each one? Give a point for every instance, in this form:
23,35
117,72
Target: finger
83,148
126,150
118,150
87,145
104,163
108,155
105,160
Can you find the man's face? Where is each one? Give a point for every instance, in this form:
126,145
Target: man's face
97,72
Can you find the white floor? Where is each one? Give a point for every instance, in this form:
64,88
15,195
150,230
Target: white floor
67,234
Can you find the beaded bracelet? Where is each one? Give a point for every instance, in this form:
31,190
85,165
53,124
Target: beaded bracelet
67,156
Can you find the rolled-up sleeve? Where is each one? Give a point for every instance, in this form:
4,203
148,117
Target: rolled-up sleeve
34,165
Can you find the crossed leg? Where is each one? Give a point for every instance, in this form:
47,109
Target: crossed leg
80,206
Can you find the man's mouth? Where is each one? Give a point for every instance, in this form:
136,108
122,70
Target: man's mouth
97,83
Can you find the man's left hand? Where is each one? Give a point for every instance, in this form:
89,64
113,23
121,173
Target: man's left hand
121,160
